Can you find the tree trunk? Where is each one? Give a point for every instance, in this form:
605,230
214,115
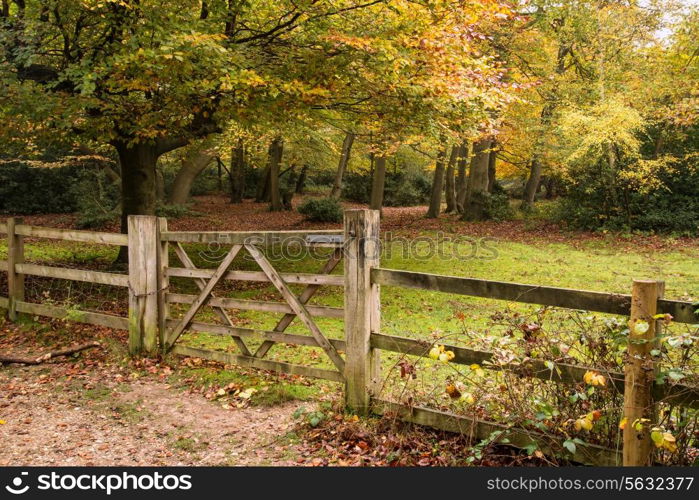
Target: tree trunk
492,167
263,186
449,185
301,181
462,180
237,173
138,184
378,182
193,164
532,185
342,165
275,160
550,188
477,193
547,111
437,183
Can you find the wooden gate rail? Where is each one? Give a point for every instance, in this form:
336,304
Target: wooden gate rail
267,335
263,364
255,305
308,292
290,278
262,238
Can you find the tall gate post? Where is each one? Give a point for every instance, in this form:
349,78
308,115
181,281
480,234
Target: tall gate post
362,308
163,283
15,255
144,244
639,372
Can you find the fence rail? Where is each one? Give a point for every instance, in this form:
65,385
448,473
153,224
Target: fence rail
550,371
152,327
72,235
603,302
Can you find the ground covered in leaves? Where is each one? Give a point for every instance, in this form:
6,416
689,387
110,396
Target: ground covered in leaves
97,407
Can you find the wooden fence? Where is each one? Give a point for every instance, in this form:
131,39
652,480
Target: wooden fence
152,329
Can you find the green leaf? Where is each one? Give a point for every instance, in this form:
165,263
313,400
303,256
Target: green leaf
569,445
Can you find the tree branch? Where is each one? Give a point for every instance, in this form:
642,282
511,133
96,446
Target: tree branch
7,359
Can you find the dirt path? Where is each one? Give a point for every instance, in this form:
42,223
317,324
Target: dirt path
94,418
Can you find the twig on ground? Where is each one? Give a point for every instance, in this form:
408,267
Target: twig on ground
7,358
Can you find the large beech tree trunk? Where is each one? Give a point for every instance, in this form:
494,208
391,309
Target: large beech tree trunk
378,182
193,164
449,185
138,184
462,179
477,191
437,183
275,160
139,178
342,165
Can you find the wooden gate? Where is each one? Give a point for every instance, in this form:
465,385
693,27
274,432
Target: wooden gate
151,291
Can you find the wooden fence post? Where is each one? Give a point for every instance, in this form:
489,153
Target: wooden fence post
144,325
362,308
639,371
15,255
163,283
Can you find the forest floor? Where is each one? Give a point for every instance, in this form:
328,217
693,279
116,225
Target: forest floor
99,407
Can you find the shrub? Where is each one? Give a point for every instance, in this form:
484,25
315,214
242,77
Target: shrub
322,210
498,206
73,184
172,211
356,187
669,205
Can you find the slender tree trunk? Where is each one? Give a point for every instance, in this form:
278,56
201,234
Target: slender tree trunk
462,179
378,183
532,185
237,172
263,186
449,185
342,165
275,161
437,183
477,192
301,181
547,111
138,184
192,165
492,167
